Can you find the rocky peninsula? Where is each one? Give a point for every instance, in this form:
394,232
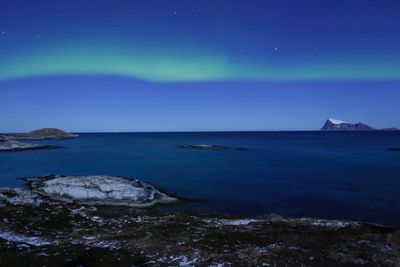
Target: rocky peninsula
51,223
44,133
15,146
8,141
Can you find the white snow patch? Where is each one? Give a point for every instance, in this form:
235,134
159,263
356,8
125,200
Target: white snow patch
183,261
237,222
32,241
336,121
17,196
330,224
92,241
333,224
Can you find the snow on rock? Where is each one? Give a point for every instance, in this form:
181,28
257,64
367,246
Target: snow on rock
15,238
229,222
101,189
335,121
183,261
17,196
332,224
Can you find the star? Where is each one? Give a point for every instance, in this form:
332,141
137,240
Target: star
3,33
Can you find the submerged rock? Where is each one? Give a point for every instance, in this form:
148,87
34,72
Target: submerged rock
15,146
212,147
98,190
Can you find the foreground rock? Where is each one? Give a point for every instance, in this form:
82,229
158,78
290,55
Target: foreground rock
212,147
15,146
45,133
98,190
49,233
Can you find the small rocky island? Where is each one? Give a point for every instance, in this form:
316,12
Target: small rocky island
8,143
77,221
45,133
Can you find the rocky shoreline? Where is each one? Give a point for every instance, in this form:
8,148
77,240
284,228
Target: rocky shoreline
38,230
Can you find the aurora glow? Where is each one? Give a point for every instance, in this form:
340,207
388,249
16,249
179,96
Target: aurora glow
177,67
182,41
191,65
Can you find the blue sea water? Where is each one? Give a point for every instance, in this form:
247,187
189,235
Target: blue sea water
333,175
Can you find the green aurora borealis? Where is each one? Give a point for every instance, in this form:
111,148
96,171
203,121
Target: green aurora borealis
184,41
164,66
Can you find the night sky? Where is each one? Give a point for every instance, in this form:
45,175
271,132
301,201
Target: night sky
198,65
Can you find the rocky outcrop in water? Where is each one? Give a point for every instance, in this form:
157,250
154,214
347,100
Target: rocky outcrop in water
8,143
212,147
16,146
98,190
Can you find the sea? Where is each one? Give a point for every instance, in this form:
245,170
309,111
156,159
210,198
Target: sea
329,175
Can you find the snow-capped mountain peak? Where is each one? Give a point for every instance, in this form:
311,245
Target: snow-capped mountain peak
335,121
338,125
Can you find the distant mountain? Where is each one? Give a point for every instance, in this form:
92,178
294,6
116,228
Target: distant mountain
338,125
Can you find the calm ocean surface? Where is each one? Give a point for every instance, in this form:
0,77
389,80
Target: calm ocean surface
317,174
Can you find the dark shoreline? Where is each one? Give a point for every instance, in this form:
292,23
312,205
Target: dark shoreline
57,235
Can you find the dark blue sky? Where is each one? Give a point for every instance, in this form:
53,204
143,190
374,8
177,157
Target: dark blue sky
198,65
